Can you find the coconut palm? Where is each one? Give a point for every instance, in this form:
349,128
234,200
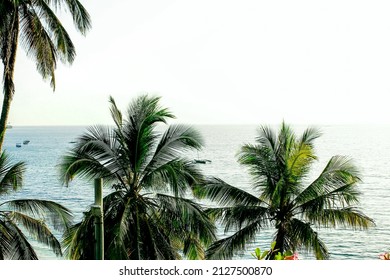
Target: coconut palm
147,213
282,197
24,219
36,25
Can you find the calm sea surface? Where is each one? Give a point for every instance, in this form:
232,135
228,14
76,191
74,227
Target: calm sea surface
368,146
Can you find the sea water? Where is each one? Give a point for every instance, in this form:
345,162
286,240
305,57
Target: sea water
367,146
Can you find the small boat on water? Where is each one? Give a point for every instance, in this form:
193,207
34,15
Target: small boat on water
201,161
25,142
18,145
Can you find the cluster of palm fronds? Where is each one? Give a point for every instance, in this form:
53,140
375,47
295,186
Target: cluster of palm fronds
149,212
36,26
148,216
22,219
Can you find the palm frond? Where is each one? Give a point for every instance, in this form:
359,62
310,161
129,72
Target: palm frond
226,247
309,135
21,249
343,217
156,244
337,182
224,194
145,111
11,174
267,138
116,114
78,240
178,139
38,44
81,17
239,216
38,230
175,141
189,217
177,176
138,133
9,31
5,237
61,38
59,216
302,236
193,249
120,220
96,155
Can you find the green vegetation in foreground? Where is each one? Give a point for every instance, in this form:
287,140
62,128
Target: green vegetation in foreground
42,34
279,165
146,214
21,216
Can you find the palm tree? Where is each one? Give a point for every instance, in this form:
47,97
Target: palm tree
282,197
147,214
21,216
42,34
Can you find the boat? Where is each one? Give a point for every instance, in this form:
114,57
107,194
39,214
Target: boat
18,145
25,142
202,161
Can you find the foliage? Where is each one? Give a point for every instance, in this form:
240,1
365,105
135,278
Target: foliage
147,214
260,255
282,197
43,36
274,252
21,216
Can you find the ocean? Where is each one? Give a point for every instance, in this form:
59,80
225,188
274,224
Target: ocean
367,145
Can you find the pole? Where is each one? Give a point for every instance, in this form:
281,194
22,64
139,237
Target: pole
97,211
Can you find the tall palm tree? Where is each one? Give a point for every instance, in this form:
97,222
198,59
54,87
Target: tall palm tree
43,36
147,214
26,216
282,197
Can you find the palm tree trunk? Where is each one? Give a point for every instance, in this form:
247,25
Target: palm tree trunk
279,245
4,115
137,234
8,79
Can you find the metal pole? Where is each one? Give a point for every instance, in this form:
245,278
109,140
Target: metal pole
97,211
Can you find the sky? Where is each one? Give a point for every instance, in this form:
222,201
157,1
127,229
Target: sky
219,62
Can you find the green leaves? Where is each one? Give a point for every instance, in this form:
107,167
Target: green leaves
279,165
260,255
42,35
11,174
21,216
147,216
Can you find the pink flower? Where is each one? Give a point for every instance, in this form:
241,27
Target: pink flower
293,257
385,256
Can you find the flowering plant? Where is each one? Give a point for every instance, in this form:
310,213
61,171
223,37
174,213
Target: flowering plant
289,256
279,256
385,256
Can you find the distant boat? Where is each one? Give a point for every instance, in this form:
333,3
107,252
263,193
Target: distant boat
25,142
202,161
8,126
18,145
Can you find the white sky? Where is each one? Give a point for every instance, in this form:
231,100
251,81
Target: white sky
254,62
